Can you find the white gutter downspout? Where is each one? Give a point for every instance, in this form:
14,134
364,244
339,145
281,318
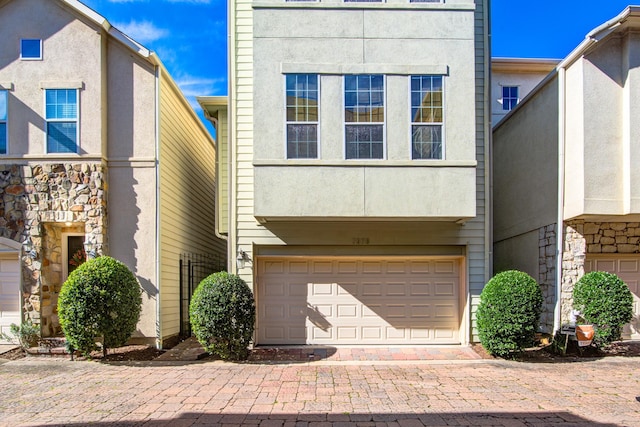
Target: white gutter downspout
158,236
557,314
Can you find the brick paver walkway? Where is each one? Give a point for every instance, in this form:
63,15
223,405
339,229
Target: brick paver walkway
35,392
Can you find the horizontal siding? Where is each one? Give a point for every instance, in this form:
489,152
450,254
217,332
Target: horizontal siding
187,198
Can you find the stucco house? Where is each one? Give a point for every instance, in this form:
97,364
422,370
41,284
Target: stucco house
357,168
566,181
100,153
512,79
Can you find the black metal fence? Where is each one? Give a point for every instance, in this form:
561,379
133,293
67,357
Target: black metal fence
194,268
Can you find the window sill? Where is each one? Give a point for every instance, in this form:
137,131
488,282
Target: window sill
370,163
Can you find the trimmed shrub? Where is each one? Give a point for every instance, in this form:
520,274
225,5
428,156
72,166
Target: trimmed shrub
605,301
508,313
222,314
101,298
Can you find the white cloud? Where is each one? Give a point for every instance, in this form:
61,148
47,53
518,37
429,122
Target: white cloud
142,31
200,86
190,1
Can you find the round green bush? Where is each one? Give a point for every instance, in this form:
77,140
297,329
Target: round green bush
222,314
508,313
101,298
605,301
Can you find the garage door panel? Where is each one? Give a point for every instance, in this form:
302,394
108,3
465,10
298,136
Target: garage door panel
627,267
368,300
9,293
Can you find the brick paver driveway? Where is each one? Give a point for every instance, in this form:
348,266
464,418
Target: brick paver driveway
61,392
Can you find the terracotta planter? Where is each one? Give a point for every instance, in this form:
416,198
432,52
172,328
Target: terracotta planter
585,334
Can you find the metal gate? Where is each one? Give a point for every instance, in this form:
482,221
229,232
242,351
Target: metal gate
194,268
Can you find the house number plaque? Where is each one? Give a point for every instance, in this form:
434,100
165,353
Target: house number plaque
360,240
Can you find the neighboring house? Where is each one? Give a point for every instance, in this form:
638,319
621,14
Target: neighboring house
359,197
566,176
512,79
99,152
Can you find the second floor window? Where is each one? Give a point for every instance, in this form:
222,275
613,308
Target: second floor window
364,116
427,112
302,116
4,104
30,49
509,97
61,113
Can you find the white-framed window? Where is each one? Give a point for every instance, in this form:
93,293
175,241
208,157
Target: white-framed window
427,117
4,112
61,114
302,107
509,97
31,49
364,116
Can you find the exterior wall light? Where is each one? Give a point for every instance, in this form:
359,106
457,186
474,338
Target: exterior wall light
242,259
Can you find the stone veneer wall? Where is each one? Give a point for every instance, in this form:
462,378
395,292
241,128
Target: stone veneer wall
36,200
582,238
547,245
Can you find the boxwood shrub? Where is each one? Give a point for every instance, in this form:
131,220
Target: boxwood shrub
222,315
509,313
100,299
605,301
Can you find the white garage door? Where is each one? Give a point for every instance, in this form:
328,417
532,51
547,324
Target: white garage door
627,268
366,300
9,292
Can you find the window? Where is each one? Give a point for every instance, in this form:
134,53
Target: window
426,117
30,49
73,252
364,116
302,116
509,97
61,113
4,104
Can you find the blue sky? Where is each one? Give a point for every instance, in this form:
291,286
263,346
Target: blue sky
190,36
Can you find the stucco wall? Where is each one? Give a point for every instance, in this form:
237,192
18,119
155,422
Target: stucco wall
65,41
525,168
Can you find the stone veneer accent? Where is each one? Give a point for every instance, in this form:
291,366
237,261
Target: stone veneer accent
547,245
582,238
37,201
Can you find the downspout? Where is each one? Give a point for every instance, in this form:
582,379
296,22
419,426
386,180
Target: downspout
158,236
557,316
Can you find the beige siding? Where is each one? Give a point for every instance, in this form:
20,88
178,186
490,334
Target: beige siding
187,194
222,139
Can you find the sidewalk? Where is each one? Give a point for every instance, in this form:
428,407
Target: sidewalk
191,350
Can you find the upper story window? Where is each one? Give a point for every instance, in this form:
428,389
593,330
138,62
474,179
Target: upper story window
30,49
427,117
509,97
61,113
302,116
4,105
364,116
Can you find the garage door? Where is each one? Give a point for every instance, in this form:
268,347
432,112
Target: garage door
627,268
9,292
335,301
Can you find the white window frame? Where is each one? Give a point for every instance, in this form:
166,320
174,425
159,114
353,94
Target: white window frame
64,120
345,123
412,123
31,58
65,252
287,122
5,121
502,98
